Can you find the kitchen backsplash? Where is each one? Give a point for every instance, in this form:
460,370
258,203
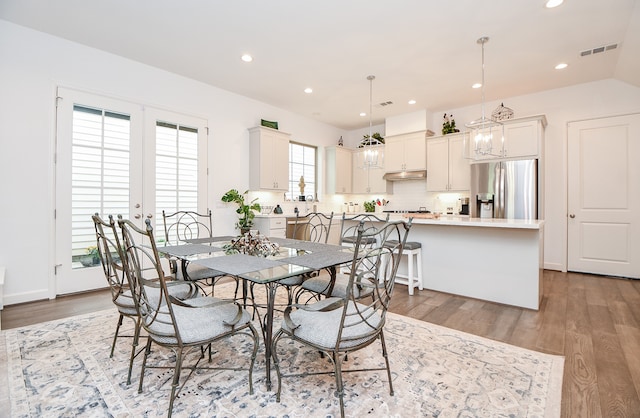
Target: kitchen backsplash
407,195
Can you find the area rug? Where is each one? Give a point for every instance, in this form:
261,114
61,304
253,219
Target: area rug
62,369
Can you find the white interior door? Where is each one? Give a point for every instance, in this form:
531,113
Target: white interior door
111,158
604,196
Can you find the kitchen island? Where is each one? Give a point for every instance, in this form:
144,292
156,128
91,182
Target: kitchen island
499,260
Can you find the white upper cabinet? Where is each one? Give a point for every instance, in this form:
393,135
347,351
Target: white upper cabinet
406,152
368,180
447,169
338,169
520,138
268,159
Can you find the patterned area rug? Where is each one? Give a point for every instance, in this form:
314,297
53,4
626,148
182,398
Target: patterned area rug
62,369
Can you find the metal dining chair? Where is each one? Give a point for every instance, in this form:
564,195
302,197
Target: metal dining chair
182,327
182,226
109,251
322,285
339,325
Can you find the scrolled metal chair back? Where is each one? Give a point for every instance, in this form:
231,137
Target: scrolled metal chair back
373,270
143,267
184,225
314,227
109,252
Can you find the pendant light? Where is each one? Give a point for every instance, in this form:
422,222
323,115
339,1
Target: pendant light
369,145
484,130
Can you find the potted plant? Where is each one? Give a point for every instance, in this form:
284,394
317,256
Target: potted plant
91,258
245,211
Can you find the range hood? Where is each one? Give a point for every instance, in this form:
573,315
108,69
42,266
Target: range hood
406,175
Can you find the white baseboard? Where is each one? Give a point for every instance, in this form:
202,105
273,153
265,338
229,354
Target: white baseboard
26,297
555,266
1,287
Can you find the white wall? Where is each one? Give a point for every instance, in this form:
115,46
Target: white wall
33,64
561,106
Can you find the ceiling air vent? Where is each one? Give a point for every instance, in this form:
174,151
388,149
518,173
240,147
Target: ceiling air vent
387,103
598,50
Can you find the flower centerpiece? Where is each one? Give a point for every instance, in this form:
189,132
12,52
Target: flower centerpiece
245,211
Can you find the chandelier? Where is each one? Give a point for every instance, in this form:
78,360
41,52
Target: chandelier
485,131
369,144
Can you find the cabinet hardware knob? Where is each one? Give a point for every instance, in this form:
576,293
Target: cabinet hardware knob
572,216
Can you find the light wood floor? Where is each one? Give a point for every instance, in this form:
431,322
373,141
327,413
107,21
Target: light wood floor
593,321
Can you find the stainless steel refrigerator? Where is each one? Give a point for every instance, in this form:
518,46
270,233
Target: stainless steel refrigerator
504,189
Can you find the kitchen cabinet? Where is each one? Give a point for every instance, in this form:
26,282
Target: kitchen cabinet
519,138
271,226
522,139
368,180
338,169
406,152
268,159
447,168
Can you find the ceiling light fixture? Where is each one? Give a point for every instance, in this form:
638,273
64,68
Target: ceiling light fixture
369,144
308,90
484,129
412,102
561,66
476,86
247,58
550,4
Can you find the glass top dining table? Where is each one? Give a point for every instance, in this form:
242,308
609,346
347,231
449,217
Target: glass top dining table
290,258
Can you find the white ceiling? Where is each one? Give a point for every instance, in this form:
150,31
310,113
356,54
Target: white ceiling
417,49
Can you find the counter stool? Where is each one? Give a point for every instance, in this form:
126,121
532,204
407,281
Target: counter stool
411,249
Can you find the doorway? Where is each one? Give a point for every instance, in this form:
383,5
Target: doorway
119,158
603,224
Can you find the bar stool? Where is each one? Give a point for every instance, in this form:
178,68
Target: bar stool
411,249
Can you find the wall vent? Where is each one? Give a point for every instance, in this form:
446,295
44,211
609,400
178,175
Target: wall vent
598,50
387,103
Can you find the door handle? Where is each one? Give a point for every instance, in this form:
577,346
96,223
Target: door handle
572,216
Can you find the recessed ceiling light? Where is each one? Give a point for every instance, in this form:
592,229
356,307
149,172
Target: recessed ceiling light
553,3
412,102
308,90
363,114
476,86
561,66
247,58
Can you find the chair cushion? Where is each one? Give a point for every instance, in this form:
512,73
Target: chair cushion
321,328
321,285
409,245
195,324
353,240
126,305
197,272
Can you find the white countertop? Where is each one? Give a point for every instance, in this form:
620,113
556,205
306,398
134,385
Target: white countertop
446,220
477,222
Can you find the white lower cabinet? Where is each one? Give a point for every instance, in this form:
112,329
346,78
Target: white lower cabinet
271,226
447,168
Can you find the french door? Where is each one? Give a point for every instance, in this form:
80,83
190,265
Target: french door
119,158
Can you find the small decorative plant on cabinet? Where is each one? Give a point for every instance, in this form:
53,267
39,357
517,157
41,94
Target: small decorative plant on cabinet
246,212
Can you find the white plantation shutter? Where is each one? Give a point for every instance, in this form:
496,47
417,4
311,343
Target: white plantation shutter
176,169
302,162
99,170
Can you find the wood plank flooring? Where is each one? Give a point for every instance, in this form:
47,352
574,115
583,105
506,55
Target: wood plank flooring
593,321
